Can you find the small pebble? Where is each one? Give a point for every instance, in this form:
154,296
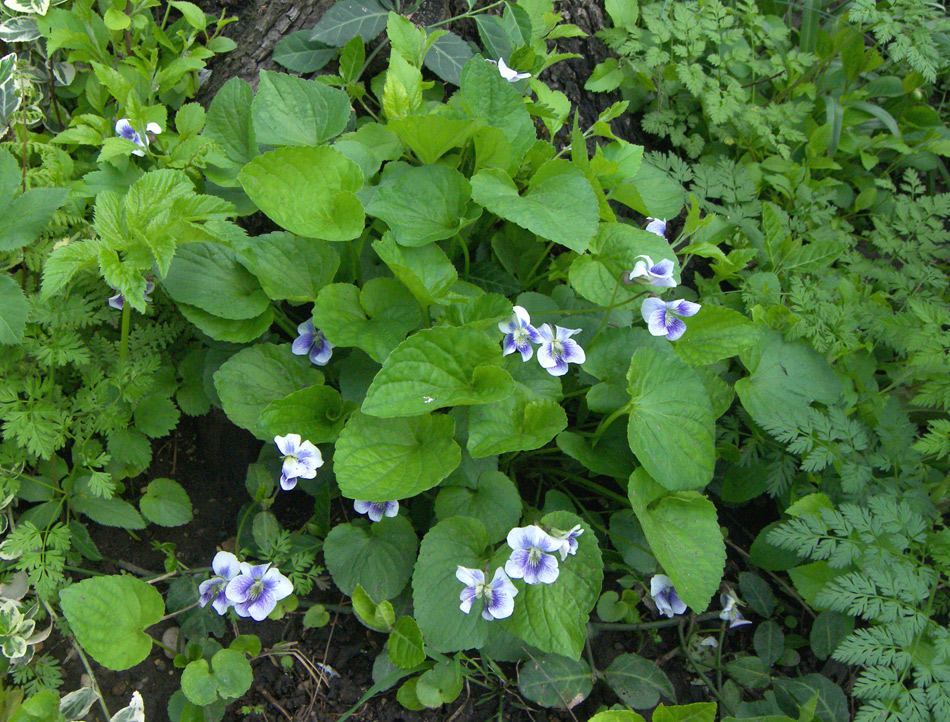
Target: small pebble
170,640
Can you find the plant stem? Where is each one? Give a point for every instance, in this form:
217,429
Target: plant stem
85,664
642,626
715,692
124,339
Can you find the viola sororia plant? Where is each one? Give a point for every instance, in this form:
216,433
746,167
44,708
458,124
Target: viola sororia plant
533,379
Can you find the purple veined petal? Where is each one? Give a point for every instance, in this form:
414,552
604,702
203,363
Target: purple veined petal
517,564
509,345
392,509
499,602
287,445
321,352
653,311
306,328
287,482
684,308
657,226
533,536
237,588
559,368
545,332
117,301
210,589
664,282
221,603
544,571
675,327
278,584
469,577
533,335
375,512
226,565
573,353
526,351
259,608
675,602
293,467
501,581
663,268
362,507
739,621
124,129
467,597
301,345
640,269
565,333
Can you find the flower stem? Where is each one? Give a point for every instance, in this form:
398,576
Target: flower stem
642,626
124,339
712,689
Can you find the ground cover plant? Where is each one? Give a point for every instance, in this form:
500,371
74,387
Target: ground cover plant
528,385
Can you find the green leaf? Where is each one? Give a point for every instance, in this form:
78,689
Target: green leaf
299,54
25,218
697,712
229,675
432,136
426,271
554,681
715,333
492,98
613,252
609,455
750,672
441,684
289,267
828,631
226,329
459,541
769,642
308,191
684,536
757,593
527,419
108,512
14,311
156,416
626,534
559,203
447,57
349,18
378,556
671,427
208,275
166,503
288,110
638,681
378,617
786,378
420,204
553,617
493,500
832,703
194,15
317,616
648,190
622,716
229,122
109,615
388,459
375,319
435,368
405,644
254,377
316,413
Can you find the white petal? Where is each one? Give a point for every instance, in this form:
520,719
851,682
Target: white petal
522,315
659,583
469,577
226,565
154,128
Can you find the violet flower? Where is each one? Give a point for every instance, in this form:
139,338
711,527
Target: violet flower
558,350
118,300
665,597
657,226
124,129
568,540
662,316
654,274
301,459
312,343
512,76
531,559
499,594
225,567
257,590
376,510
730,611
519,334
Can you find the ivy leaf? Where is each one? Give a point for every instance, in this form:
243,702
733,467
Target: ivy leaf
388,459
307,191
559,203
438,367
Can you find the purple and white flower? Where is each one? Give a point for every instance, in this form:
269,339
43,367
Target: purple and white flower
654,274
256,591
557,349
118,300
519,334
225,567
499,594
512,76
532,558
662,316
665,597
568,540
730,611
657,226
124,129
376,510
312,343
301,459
